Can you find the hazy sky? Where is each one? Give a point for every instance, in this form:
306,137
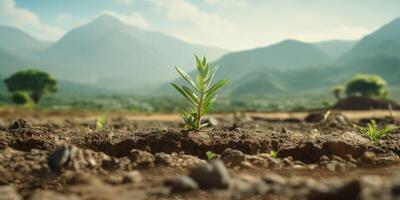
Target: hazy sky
230,24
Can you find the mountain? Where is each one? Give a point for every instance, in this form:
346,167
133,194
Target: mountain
9,63
18,42
335,48
285,55
250,71
111,54
383,42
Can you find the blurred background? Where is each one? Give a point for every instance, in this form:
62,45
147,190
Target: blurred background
121,54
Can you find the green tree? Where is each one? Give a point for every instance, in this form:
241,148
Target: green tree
36,83
365,85
337,91
20,98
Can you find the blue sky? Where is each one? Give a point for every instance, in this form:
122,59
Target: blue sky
230,24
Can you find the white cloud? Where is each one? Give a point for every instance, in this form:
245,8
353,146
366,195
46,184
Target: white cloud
134,19
196,25
26,20
68,21
126,2
226,2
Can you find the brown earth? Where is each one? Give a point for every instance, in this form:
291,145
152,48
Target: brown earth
59,155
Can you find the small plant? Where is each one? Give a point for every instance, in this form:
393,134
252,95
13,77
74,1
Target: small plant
337,91
201,95
373,132
21,98
211,155
101,123
273,154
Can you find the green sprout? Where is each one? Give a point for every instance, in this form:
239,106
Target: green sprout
373,132
101,123
211,155
273,154
201,95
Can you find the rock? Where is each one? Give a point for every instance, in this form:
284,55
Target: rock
8,192
3,125
132,177
347,191
182,184
69,157
244,190
369,157
272,178
331,166
142,158
211,121
20,123
232,157
314,117
163,158
213,175
60,157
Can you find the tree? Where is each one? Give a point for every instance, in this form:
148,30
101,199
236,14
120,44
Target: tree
370,86
36,83
337,91
20,98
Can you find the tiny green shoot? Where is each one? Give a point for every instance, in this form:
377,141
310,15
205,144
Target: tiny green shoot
373,132
101,123
201,94
211,155
273,154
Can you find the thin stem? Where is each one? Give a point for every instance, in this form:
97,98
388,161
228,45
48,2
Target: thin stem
199,107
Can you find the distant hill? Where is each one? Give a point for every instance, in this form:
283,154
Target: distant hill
253,71
110,54
9,63
335,48
383,42
19,43
283,56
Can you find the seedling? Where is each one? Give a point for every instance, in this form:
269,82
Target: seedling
101,123
211,155
273,154
201,94
373,132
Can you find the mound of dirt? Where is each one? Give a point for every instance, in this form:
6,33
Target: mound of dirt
363,103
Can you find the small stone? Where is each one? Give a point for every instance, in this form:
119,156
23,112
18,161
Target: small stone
8,192
20,123
211,121
350,190
369,157
332,166
163,158
3,125
213,175
132,177
288,162
232,157
142,158
182,184
324,158
337,158
59,158
272,178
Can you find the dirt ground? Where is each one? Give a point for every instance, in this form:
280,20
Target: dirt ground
59,155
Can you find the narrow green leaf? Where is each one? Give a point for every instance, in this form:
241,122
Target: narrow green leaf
183,93
186,77
211,76
216,87
204,61
192,95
